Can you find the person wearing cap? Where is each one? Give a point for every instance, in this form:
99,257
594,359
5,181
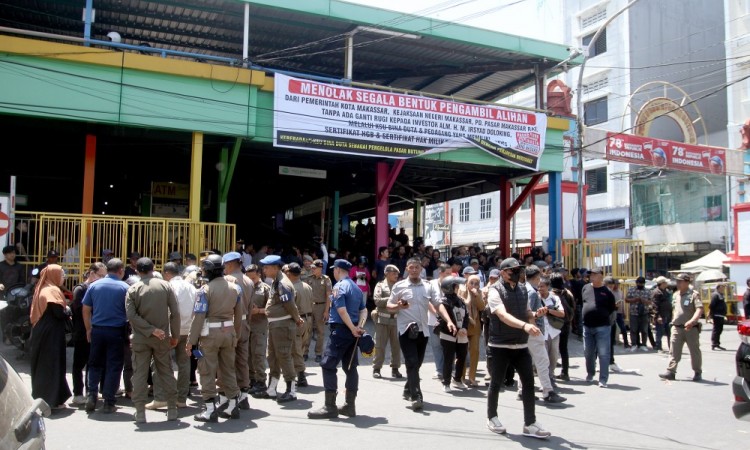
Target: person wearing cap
283,318
718,311
152,311
687,309
307,270
386,324
131,269
474,264
511,323
176,257
347,318
261,293
12,273
233,267
639,301
598,306
662,301
107,254
216,325
52,257
106,325
411,297
321,304
302,337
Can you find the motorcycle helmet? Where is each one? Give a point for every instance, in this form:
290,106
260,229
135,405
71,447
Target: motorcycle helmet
449,283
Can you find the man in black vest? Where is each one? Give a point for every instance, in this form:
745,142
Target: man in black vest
511,323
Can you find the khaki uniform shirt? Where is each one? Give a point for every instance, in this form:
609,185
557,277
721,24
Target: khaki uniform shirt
304,297
282,301
151,304
306,274
321,288
247,292
218,301
684,306
380,296
261,292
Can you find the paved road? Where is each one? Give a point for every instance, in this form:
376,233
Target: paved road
637,411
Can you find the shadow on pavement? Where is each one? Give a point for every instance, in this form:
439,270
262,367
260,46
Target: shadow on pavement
117,416
161,425
298,404
434,407
62,413
361,421
226,425
552,442
622,387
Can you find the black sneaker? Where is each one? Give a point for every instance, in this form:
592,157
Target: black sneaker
396,374
697,376
553,397
376,373
563,377
90,404
667,375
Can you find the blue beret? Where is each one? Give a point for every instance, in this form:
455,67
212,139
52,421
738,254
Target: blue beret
231,256
341,264
271,260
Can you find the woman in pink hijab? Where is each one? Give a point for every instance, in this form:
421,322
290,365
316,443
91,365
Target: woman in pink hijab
49,312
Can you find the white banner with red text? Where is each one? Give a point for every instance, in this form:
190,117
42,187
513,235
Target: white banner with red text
324,117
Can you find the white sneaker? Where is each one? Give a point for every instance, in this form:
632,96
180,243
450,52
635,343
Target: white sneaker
446,388
633,349
436,376
156,405
536,430
458,384
615,368
602,384
643,348
495,426
78,400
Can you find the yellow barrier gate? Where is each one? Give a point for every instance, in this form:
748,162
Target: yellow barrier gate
620,258
150,236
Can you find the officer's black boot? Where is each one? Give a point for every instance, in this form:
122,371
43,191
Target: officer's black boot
243,402
210,414
301,379
328,411
348,408
232,410
290,394
259,388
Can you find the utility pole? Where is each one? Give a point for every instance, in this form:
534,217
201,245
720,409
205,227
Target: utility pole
580,124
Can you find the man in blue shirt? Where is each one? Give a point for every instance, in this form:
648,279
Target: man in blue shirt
347,316
106,329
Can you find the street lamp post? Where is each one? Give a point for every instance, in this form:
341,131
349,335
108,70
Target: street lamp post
580,124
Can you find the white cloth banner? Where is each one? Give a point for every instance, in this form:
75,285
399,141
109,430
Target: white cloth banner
325,117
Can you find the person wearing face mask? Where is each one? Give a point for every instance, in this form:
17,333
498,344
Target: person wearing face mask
510,327
639,300
598,305
452,331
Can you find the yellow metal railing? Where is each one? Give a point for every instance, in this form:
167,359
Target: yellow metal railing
620,258
150,236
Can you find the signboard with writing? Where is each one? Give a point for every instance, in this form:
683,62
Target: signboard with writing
666,154
169,199
331,118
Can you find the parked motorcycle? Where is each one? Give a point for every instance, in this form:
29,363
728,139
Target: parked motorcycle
14,318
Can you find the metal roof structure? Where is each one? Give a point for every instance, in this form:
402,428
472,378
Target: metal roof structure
391,49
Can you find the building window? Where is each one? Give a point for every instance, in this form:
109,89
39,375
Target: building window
485,208
463,212
713,208
596,85
596,180
606,225
595,111
597,48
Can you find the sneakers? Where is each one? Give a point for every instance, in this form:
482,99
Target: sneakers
563,377
643,348
376,373
78,400
495,426
697,377
633,349
553,397
536,430
396,374
667,375
458,384
718,347
446,388
615,368
602,384
156,404
589,378
437,376
90,404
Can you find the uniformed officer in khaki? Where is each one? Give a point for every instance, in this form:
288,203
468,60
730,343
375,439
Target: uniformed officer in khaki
686,313
216,325
261,293
321,304
307,270
304,306
283,315
386,324
154,317
233,267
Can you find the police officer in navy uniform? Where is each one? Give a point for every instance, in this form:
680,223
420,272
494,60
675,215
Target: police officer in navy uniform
347,316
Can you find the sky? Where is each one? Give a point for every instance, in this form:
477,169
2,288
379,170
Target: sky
538,19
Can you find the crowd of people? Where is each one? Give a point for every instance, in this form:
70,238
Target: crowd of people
245,321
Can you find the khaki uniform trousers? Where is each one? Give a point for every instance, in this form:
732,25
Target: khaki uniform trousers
258,346
281,340
218,360
305,333
319,324
681,336
301,334
242,357
142,354
383,335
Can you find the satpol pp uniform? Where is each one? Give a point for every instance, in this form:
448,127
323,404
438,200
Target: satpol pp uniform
242,350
